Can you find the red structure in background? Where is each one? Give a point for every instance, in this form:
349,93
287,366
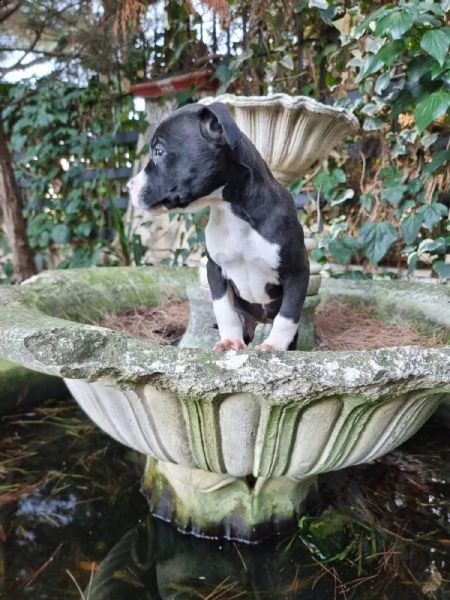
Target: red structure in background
156,88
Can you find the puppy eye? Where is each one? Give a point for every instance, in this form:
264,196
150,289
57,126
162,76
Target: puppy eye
157,152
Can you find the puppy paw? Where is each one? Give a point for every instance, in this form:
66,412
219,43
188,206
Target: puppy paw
229,345
265,347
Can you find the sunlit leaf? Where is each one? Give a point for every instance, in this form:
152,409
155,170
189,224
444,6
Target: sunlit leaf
413,259
437,246
395,24
436,43
287,62
430,108
342,197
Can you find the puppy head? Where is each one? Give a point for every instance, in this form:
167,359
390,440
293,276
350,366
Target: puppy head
190,156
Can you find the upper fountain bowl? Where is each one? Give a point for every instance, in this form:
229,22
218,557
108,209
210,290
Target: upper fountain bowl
290,132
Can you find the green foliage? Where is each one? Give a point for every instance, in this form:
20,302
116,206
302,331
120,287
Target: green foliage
377,238
399,58
59,135
406,60
337,243
329,184
381,201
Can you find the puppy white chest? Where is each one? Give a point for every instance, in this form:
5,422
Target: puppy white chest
245,257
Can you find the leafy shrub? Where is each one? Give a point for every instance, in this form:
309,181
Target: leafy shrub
396,204
58,133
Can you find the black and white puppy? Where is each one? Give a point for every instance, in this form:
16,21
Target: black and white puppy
257,267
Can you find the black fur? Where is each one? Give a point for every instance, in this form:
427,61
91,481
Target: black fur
199,149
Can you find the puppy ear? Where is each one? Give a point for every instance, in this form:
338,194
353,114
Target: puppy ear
217,124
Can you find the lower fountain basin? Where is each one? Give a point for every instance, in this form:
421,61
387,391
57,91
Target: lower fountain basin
249,421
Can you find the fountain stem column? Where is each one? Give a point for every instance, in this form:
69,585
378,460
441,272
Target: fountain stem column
219,505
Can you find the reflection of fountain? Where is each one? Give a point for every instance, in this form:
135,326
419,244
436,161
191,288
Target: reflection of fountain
154,559
235,440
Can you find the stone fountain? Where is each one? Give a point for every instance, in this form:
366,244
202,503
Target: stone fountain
234,441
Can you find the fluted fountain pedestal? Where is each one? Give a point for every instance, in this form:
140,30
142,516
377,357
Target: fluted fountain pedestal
219,505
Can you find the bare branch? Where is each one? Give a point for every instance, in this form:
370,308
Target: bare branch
9,9
38,60
47,53
32,48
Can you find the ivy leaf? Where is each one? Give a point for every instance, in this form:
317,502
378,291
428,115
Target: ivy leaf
428,140
430,108
410,227
287,62
395,24
437,246
442,269
413,259
372,18
438,71
387,55
377,238
436,42
18,142
60,234
394,193
432,213
366,201
418,67
439,159
382,82
342,197
44,118
328,181
343,248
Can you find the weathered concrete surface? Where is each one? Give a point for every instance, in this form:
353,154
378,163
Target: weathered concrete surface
212,505
263,402
419,302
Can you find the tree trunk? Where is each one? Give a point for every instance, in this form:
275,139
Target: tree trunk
13,219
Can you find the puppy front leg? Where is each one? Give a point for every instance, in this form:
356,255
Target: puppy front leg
230,324
284,332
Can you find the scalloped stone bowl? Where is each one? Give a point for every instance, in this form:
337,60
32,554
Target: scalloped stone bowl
290,132
235,440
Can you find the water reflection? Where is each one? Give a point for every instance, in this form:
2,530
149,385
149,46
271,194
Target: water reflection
153,562
74,525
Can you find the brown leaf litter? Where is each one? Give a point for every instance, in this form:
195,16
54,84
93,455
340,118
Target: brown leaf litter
339,326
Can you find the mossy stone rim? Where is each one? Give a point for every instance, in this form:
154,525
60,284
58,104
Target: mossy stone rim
58,346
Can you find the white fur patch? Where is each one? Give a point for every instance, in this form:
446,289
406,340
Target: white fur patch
135,186
245,257
228,322
282,333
